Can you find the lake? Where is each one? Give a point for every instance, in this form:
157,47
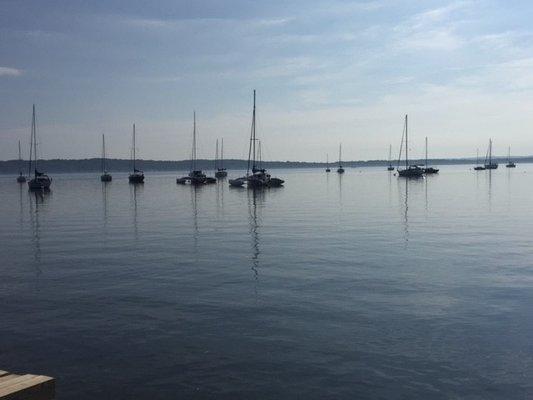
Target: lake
356,286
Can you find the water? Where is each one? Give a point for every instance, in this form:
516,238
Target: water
354,286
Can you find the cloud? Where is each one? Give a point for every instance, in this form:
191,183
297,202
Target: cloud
7,71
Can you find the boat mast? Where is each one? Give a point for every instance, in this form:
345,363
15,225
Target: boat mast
222,154
193,157
253,135
327,160
508,154
340,154
406,145
426,151
390,155
477,156
20,161
103,154
134,155
490,151
34,133
216,156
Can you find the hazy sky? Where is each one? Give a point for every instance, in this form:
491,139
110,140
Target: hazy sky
325,72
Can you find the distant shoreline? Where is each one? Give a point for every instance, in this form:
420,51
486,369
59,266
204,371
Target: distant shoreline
118,165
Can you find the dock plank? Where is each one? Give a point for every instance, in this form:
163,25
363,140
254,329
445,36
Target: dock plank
26,387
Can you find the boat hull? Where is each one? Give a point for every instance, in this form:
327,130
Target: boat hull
40,183
136,178
411,173
479,168
431,170
221,174
491,166
510,165
340,170
106,178
21,179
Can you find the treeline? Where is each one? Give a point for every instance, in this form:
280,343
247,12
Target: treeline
94,164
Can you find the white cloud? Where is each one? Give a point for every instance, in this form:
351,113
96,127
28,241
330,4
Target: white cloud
7,71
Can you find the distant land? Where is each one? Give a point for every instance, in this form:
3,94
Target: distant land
118,165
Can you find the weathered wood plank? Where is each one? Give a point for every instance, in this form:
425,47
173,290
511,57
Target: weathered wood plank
27,387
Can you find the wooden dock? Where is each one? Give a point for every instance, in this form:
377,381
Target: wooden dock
26,387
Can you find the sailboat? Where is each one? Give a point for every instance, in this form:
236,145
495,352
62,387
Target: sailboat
429,170
488,158
390,167
509,164
196,176
340,170
258,177
105,177
220,171
478,167
40,180
327,163
137,176
410,171
21,178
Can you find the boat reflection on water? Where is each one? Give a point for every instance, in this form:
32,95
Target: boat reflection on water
36,201
256,201
135,192
104,202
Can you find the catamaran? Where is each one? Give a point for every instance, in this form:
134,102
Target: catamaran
410,171
488,158
21,178
105,177
429,170
509,164
40,180
137,176
196,176
258,177
340,170
220,171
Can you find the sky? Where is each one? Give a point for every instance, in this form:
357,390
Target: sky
325,72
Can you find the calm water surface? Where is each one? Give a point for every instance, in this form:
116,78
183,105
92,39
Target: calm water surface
354,286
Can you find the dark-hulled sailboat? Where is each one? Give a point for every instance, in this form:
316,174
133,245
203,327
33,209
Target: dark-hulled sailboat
340,170
489,164
327,163
40,180
509,164
21,178
256,177
410,171
429,170
220,171
106,176
478,167
137,176
196,176
390,167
